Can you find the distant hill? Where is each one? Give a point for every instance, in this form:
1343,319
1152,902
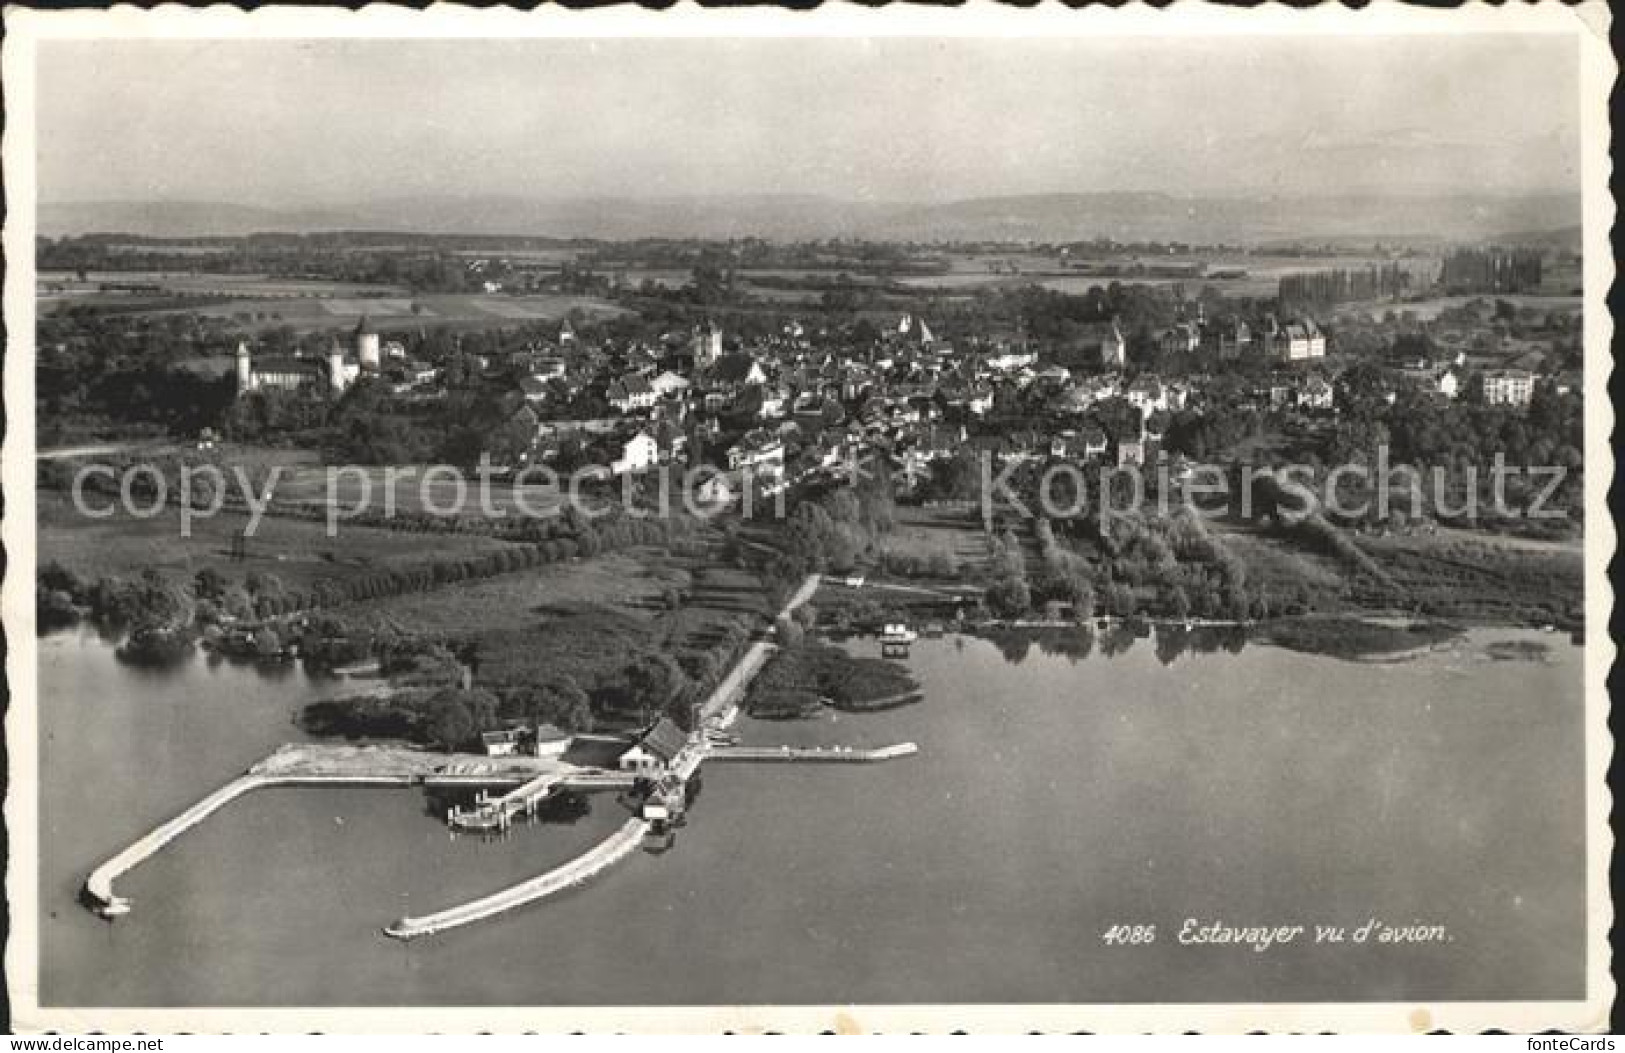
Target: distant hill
177,219
1129,216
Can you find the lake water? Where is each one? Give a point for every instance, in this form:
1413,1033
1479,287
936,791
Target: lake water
1053,796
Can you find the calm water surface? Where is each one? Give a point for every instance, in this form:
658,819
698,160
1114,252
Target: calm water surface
1054,795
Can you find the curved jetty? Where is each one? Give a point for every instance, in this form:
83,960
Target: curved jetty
99,885
600,857
308,764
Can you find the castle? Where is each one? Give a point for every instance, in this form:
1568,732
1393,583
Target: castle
333,373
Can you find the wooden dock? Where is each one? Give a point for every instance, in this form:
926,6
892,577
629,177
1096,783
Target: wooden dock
497,813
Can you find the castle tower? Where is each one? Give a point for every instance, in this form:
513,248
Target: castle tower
245,368
335,368
367,348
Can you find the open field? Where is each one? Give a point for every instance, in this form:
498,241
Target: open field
317,313
477,608
297,551
1428,310
302,481
955,530
1235,274
415,489
257,302
65,284
1479,577
1282,565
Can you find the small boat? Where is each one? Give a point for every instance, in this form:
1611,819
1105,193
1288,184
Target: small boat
898,634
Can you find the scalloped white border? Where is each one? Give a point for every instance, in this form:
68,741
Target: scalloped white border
1587,24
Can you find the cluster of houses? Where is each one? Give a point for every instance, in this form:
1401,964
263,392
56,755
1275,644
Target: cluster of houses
786,409
789,406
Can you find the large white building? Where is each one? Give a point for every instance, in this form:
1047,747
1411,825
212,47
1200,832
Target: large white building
1295,341
1508,387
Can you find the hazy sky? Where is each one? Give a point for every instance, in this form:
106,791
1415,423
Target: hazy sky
333,122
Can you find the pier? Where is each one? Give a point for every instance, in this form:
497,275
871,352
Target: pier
496,813
622,843
812,754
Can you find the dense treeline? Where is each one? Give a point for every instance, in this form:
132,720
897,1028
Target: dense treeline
1457,444
1316,289
1139,564
830,533
1491,271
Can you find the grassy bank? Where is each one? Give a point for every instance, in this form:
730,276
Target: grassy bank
798,681
1353,637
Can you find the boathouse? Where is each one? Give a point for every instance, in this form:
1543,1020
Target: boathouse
655,749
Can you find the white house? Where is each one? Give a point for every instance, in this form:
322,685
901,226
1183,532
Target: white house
504,743
631,392
759,451
1182,339
641,451
548,368
1315,393
1009,359
550,741
775,401
1146,394
718,490
669,384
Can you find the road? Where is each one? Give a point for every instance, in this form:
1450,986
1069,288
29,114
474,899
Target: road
716,708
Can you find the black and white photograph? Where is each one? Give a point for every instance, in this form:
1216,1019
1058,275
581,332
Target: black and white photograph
868,519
